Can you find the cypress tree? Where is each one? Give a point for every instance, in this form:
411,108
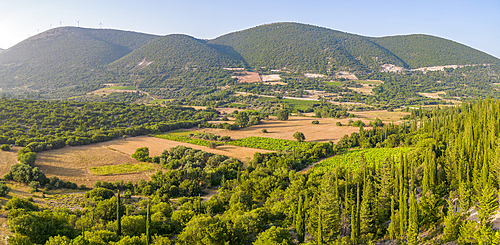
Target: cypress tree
412,234
118,215
330,206
369,219
148,224
300,220
320,226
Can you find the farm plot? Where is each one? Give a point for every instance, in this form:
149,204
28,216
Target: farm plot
385,116
157,146
7,159
325,131
74,163
353,158
265,143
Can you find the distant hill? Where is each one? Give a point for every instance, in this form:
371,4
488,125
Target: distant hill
424,50
56,53
80,60
295,46
1,50
178,51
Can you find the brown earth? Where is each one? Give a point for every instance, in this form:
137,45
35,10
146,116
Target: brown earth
250,77
7,159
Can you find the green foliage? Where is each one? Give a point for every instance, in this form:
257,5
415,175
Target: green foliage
122,168
205,230
5,147
4,189
353,158
99,194
20,203
299,136
275,236
315,122
305,47
282,115
423,50
142,154
26,174
47,125
270,143
40,226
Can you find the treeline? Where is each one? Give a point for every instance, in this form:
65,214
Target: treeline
44,125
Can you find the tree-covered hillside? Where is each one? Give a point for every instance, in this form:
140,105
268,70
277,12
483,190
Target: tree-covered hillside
295,46
424,50
176,51
62,55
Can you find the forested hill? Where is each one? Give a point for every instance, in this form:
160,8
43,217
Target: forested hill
54,54
73,61
178,51
424,50
295,46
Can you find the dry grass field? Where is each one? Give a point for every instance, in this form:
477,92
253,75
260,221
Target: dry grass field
325,131
385,116
73,163
157,146
7,159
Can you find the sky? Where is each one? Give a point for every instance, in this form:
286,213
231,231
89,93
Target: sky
473,23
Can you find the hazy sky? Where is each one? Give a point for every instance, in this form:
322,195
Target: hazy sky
475,23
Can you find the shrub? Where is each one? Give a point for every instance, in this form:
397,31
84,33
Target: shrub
5,147
99,194
142,154
299,136
315,122
4,189
338,124
282,115
264,131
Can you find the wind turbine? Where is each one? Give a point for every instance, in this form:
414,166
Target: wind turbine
100,25
50,26
60,23
38,30
78,23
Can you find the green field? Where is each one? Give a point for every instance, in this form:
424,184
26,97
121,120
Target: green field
159,101
269,143
121,87
250,142
334,83
125,168
352,158
293,104
183,136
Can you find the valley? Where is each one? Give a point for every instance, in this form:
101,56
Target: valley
284,133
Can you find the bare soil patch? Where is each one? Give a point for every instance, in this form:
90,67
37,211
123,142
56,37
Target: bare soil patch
7,159
436,95
250,77
325,131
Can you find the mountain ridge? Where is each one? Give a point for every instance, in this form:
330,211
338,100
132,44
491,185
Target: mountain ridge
71,56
